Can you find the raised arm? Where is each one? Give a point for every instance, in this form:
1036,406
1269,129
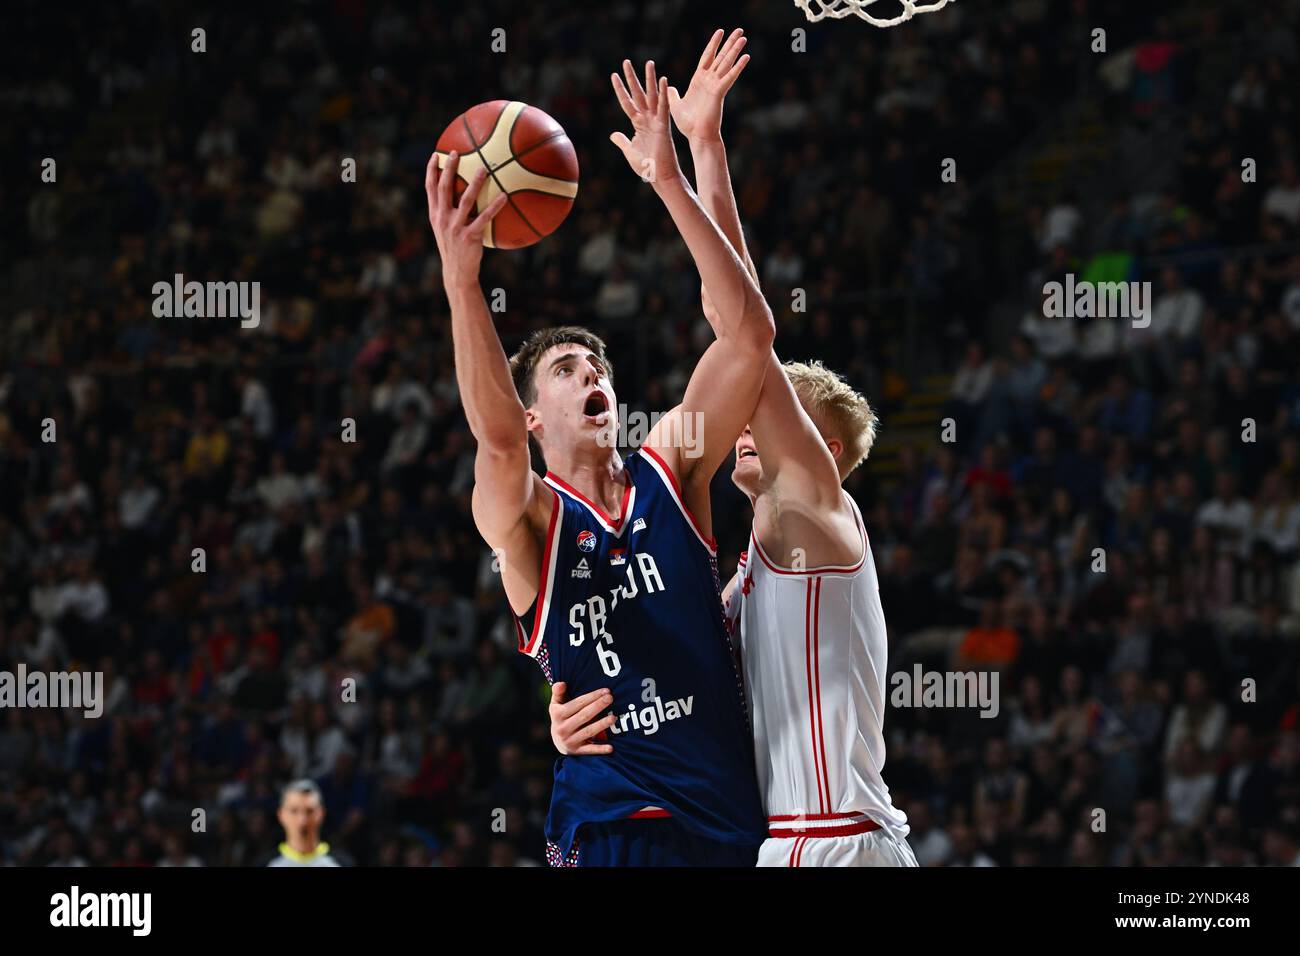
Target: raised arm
724,387
698,115
792,451
504,484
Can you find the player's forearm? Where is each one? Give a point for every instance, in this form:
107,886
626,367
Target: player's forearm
492,406
743,315
713,184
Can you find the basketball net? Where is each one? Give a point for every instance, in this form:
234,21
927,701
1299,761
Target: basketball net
838,9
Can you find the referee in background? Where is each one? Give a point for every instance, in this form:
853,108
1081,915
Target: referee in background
301,813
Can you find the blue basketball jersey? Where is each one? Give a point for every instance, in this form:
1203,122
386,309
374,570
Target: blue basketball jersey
634,605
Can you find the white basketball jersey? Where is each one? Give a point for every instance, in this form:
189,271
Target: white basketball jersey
813,649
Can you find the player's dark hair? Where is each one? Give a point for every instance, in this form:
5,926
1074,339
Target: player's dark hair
523,364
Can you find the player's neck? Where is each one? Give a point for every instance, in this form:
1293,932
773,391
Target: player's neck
304,846
757,490
599,477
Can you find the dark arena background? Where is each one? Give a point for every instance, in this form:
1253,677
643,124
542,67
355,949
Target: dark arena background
1107,521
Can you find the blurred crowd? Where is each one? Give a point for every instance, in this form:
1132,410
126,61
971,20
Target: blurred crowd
1106,533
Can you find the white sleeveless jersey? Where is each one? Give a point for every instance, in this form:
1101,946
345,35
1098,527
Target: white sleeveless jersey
813,648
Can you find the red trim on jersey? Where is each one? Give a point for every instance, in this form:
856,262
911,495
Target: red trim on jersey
817,672
824,569
681,500
845,829
815,817
627,491
812,714
649,813
540,615
798,857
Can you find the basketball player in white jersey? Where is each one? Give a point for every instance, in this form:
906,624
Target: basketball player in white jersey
805,598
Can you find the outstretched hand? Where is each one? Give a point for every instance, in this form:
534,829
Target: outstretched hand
459,238
650,151
698,114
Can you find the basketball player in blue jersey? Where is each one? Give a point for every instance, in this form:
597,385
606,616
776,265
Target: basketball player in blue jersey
609,563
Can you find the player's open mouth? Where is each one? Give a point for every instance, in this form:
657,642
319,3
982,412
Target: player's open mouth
596,408
746,453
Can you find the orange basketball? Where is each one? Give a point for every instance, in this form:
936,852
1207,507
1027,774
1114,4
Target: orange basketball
527,155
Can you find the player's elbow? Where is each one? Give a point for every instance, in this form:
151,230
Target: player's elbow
757,331
500,439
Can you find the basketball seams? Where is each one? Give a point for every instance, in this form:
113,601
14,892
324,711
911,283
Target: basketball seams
539,195
516,157
520,213
553,134
510,134
478,149
529,190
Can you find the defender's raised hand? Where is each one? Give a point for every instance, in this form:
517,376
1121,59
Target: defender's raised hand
698,114
650,151
460,238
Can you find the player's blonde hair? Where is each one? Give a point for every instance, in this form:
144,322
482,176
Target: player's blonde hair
836,409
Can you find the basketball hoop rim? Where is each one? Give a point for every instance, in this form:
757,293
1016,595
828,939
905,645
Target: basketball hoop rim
839,9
